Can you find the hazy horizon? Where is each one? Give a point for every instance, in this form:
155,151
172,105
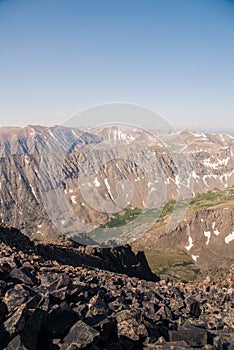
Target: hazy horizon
205,131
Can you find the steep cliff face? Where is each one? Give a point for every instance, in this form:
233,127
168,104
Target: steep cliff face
63,181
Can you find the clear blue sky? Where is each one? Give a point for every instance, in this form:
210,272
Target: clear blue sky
175,56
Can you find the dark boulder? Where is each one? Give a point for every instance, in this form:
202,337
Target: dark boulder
58,322
12,326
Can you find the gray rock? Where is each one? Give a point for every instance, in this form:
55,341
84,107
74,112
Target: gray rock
80,336
24,275
193,336
15,344
16,296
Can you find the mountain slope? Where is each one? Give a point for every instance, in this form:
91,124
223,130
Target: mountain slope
202,243
61,181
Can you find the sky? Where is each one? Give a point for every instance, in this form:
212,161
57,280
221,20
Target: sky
173,56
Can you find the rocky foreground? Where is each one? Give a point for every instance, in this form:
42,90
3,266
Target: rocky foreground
50,302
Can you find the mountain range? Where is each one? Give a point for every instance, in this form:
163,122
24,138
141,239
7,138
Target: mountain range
116,239
60,181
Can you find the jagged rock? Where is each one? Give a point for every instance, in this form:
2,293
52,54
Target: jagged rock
194,307
64,281
33,326
16,296
15,344
14,324
129,327
80,336
165,313
24,275
59,295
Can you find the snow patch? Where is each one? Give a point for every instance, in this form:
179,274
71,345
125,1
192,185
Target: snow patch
73,199
152,189
229,238
117,166
108,188
33,192
195,257
51,134
207,234
194,175
190,244
177,180
96,182
218,163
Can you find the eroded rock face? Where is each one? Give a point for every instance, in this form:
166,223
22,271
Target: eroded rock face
69,306
32,158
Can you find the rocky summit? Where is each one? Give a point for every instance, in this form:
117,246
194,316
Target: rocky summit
62,297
